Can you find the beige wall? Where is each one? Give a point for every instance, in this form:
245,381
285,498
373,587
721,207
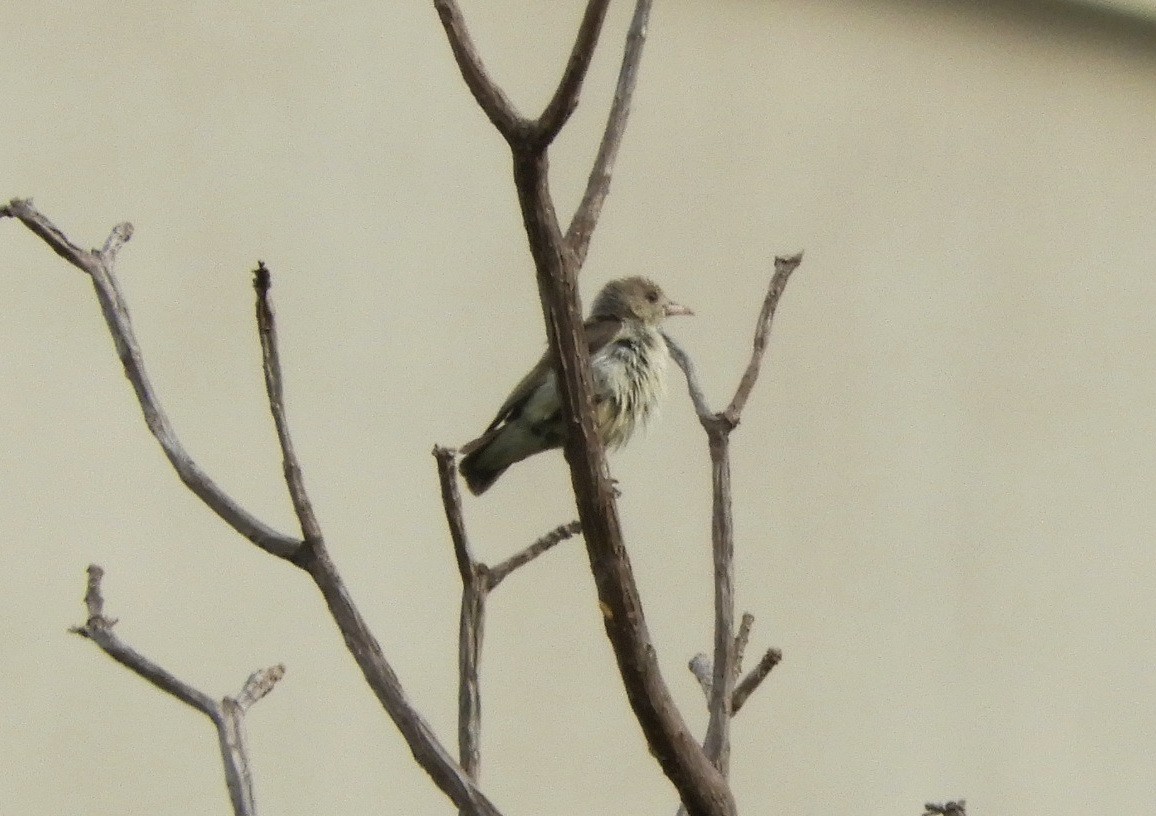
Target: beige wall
945,477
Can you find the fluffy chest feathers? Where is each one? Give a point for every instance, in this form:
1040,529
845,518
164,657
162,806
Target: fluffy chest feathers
629,377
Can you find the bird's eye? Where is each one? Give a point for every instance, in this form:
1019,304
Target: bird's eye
652,296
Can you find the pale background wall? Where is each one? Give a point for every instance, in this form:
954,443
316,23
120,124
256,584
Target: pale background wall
945,478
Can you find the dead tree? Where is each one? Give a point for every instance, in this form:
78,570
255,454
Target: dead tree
698,770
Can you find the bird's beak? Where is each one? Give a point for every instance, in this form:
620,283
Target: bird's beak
673,309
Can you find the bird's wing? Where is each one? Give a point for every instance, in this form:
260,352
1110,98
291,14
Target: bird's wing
599,332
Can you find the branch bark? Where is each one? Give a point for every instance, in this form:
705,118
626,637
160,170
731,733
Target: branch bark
490,98
271,365
227,716
721,689
701,787
477,582
308,553
582,225
99,266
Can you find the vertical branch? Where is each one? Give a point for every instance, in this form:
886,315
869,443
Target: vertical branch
471,633
723,697
585,218
230,723
717,742
471,621
699,784
478,581
271,364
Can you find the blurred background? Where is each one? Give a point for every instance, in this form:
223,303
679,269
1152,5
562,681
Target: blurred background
944,479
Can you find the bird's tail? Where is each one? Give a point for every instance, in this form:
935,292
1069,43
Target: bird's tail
479,470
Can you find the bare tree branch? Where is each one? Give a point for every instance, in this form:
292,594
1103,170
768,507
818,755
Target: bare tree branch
701,787
741,640
717,742
477,582
497,573
99,630
491,99
259,684
702,667
430,754
724,666
471,621
598,184
684,361
565,98
271,364
98,265
310,556
699,784
230,722
452,502
227,716
471,632
745,688
784,266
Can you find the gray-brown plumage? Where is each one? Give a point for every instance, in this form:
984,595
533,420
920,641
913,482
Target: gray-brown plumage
628,360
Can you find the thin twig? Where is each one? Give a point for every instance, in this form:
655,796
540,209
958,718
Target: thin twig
98,265
565,98
491,99
498,573
477,582
784,266
99,629
271,364
598,183
259,684
746,687
694,387
229,720
741,640
471,632
702,667
452,503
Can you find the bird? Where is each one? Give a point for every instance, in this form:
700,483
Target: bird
628,360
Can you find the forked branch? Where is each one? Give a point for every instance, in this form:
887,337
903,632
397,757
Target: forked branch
98,265
700,785
227,715
724,697
477,582
308,553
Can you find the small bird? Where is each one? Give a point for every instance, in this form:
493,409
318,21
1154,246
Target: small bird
628,360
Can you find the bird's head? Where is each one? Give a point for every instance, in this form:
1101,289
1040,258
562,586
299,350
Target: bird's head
636,299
